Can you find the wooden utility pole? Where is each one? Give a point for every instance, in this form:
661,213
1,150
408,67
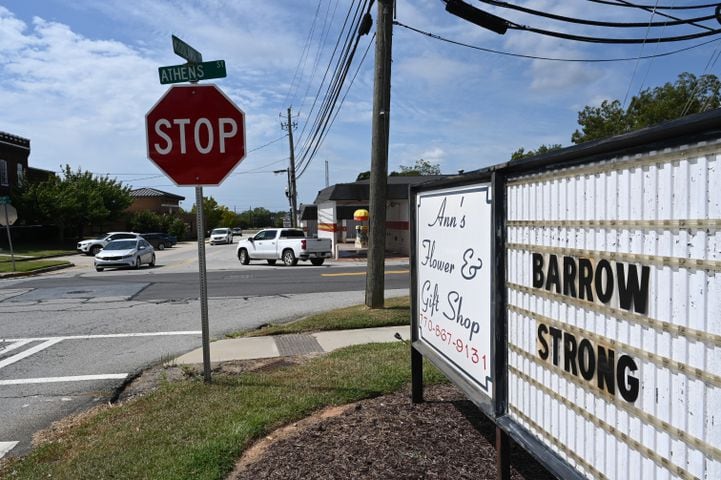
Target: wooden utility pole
291,174
375,279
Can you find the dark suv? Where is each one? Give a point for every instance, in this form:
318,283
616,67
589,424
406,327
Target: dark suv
160,240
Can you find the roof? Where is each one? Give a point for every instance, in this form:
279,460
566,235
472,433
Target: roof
152,192
15,140
360,190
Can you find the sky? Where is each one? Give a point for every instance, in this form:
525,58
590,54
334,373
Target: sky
78,76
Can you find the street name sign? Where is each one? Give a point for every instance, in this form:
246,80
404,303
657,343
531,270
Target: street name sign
195,134
192,72
185,51
4,199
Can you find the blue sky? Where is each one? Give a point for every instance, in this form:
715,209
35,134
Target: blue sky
77,77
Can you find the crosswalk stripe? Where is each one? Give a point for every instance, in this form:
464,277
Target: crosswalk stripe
5,447
75,378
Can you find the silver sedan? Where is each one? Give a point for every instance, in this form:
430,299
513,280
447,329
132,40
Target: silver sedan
125,253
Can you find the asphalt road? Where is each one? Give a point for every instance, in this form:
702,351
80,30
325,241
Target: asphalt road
69,338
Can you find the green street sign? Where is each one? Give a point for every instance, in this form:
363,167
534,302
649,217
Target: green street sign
192,72
4,200
185,51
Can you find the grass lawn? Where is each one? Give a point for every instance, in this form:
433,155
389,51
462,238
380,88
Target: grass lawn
396,312
6,265
28,259
37,252
188,429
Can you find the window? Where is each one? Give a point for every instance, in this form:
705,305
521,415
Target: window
4,173
292,234
20,173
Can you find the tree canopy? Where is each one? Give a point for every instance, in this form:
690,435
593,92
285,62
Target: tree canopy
522,153
651,106
421,167
72,201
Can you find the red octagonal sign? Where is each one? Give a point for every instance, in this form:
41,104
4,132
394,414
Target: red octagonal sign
196,134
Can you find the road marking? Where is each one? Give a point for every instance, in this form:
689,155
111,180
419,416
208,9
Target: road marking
75,378
5,447
30,351
107,335
353,274
13,346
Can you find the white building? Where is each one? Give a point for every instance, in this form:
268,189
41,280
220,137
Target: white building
331,215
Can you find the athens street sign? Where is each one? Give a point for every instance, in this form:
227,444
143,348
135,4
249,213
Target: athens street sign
195,134
192,72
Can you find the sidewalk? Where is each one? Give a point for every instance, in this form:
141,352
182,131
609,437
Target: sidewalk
292,344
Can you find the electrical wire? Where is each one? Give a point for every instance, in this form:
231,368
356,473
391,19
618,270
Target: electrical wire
660,7
325,74
324,36
360,64
596,22
552,59
638,60
626,3
303,55
604,40
332,93
267,144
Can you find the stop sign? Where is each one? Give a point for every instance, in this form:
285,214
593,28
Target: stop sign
195,134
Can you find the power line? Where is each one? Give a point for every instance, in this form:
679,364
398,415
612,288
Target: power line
321,122
648,8
598,23
660,7
360,64
551,59
605,40
325,74
638,60
324,36
267,144
303,55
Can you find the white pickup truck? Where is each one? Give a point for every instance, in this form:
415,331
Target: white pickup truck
287,244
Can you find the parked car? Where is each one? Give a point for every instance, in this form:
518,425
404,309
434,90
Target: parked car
287,244
237,231
94,245
221,235
132,252
160,241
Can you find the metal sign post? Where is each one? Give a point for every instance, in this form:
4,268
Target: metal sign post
203,283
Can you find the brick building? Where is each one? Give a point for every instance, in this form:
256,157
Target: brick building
154,200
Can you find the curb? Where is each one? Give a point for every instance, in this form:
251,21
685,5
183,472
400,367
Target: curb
39,270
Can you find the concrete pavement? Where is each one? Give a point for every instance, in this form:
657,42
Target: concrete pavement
249,348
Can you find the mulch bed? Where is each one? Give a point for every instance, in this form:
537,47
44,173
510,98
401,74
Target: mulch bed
446,437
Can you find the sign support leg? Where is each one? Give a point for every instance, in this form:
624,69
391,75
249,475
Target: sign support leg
503,455
203,283
10,241
416,376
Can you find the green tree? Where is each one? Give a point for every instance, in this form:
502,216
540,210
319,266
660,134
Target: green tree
145,221
421,167
73,201
687,95
177,227
212,213
229,219
522,153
